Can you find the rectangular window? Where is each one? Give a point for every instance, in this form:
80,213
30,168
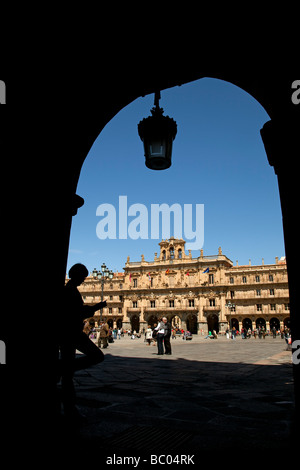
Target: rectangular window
271,277
257,279
259,307
232,294
244,279
272,292
134,304
258,292
211,278
134,282
273,306
171,303
212,302
231,280
152,303
191,303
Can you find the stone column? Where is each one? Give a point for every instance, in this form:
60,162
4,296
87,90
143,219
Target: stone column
282,145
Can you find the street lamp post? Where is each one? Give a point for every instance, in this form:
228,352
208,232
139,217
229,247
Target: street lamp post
230,306
102,275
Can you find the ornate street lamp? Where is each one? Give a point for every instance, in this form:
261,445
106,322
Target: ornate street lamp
230,306
157,133
102,275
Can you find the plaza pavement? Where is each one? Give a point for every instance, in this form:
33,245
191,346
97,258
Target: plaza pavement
210,397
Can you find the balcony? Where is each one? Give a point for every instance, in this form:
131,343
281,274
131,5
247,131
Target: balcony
168,309
212,308
134,309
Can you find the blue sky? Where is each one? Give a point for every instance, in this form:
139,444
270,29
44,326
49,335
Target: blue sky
218,160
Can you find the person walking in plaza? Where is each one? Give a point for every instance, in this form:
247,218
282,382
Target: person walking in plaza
287,335
160,336
167,336
233,333
148,335
71,337
163,336
103,335
89,325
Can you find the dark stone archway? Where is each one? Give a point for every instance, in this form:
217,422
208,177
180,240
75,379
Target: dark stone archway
213,322
54,143
279,137
191,324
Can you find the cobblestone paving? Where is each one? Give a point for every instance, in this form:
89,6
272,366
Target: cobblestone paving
222,393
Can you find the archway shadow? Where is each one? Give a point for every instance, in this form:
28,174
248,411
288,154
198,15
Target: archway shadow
134,405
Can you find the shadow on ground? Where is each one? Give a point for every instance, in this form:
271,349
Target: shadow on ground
136,406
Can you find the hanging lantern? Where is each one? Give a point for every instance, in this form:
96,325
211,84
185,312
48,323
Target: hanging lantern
157,133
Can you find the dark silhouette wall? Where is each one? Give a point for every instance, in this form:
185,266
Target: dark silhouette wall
51,138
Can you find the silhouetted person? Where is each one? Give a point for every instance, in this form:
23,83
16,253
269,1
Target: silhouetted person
72,337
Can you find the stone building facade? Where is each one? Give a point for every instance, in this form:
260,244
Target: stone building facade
198,294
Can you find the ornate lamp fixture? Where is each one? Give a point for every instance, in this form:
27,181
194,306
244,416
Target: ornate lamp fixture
102,275
157,133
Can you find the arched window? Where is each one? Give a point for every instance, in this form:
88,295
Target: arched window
179,253
172,254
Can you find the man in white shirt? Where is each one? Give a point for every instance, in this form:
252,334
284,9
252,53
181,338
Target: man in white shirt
160,336
167,336
163,336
